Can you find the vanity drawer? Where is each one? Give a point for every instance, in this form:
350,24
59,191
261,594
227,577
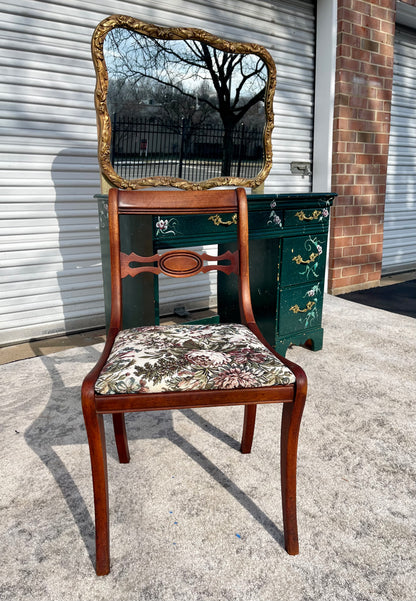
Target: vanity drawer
300,308
303,259
193,229
306,217
209,229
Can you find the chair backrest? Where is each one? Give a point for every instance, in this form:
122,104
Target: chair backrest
178,263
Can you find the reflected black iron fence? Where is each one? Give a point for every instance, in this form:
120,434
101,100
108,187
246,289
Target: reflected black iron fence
145,148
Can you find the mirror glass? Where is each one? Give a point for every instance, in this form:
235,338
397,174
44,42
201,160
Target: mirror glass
181,107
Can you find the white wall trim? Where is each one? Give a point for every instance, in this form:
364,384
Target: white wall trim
326,44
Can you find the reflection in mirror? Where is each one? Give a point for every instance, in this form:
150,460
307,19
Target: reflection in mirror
181,107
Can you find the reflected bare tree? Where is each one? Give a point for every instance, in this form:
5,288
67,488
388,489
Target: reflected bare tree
186,79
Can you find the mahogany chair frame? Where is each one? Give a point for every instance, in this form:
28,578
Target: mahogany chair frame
292,396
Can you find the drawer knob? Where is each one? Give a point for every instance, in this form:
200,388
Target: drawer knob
302,217
218,221
300,261
297,309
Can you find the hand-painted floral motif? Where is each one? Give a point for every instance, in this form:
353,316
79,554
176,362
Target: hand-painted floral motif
189,357
324,214
314,293
166,226
274,218
313,246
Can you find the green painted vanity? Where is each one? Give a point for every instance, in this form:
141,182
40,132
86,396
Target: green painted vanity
288,249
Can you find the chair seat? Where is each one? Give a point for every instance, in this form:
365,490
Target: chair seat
189,357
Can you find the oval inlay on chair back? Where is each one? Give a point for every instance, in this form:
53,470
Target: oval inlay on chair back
180,263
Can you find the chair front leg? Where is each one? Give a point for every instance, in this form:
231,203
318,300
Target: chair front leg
121,437
94,424
291,418
248,428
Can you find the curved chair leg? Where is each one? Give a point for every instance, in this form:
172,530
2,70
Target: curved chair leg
121,437
248,428
291,418
94,424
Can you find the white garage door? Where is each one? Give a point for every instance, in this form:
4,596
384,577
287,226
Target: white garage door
49,243
399,246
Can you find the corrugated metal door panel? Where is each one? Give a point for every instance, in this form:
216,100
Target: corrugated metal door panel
399,244
49,174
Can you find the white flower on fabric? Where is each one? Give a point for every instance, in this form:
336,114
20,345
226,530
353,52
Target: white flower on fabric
206,358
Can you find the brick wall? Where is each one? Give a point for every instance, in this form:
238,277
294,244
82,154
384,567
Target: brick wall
364,73
364,77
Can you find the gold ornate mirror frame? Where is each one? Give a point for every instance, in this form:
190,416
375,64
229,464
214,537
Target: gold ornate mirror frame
174,33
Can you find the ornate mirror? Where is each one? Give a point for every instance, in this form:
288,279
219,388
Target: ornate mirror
181,107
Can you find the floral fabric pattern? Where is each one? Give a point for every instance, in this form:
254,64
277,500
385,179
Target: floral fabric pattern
189,357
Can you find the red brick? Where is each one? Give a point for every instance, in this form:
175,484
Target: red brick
349,251
382,37
342,123
348,281
376,238
367,191
375,257
360,102
373,149
350,271
361,7
367,268
343,87
361,240
371,22
353,210
359,259
338,233
360,31
354,147
354,168
336,253
345,179
372,277
354,230
368,228
381,59
344,13
372,249
364,159
348,64
346,158
361,55
382,13
343,241
364,179
352,190
336,272
387,27
391,4
383,117
343,50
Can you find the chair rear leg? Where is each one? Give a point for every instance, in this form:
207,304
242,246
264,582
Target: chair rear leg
94,424
291,418
248,428
121,437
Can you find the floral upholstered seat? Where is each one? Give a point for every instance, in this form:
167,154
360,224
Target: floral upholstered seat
189,357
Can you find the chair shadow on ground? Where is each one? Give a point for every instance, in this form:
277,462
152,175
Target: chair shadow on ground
61,423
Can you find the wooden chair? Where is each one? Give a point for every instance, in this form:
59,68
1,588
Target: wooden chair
175,367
